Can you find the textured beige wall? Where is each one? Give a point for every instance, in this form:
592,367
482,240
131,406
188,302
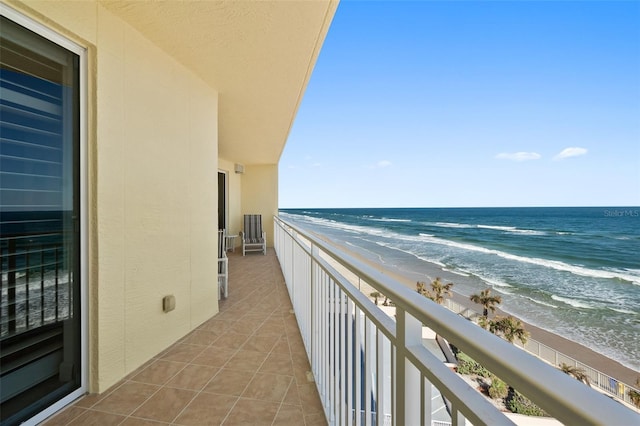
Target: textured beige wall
153,148
260,195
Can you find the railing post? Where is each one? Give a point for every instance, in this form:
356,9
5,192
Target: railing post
312,309
407,386
11,286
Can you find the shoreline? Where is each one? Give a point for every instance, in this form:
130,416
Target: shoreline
561,344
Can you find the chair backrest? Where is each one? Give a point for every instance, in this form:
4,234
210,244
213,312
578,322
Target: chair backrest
253,226
222,240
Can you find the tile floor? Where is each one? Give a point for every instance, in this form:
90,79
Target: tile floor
245,366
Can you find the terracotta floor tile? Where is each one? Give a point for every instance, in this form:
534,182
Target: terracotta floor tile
289,415
277,364
214,356
309,399
90,400
300,360
247,360
165,405
159,372
246,326
97,418
302,376
282,346
271,330
65,416
231,340
315,420
135,421
252,412
291,397
182,352
216,325
201,337
206,409
268,387
193,377
125,399
229,382
260,343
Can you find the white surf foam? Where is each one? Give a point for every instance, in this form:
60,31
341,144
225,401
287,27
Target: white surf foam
573,302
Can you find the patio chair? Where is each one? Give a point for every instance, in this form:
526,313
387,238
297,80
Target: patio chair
223,265
253,237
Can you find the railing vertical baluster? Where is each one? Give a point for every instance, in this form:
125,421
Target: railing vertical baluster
27,295
349,362
2,299
56,280
41,284
457,419
409,333
380,378
312,307
11,285
343,366
358,367
368,368
336,354
329,353
394,374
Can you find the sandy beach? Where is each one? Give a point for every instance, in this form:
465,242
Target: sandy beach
577,351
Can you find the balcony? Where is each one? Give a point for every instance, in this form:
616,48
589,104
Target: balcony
339,360
246,365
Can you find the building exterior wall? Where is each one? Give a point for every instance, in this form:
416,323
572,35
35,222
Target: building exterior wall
152,179
260,195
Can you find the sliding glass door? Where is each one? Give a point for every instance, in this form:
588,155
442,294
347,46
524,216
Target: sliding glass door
40,321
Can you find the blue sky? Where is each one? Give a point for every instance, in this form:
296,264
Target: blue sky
470,104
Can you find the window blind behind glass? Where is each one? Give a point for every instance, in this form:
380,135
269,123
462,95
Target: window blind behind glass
36,175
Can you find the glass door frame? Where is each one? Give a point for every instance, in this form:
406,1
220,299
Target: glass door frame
64,42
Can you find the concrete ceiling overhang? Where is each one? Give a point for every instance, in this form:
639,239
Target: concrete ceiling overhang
258,55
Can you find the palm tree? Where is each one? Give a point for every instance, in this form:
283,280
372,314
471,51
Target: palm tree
510,328
438,291
576,372
421,287
375,296
487,301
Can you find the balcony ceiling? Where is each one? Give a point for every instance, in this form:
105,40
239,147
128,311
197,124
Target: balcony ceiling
258,55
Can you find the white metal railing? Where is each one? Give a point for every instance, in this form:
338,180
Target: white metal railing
365,362
597,379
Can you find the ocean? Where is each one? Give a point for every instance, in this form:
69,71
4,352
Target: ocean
572,271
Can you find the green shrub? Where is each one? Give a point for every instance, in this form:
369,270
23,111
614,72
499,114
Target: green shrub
518,403
466,365
498,388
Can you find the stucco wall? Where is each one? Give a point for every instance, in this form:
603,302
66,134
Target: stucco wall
260,195
153,190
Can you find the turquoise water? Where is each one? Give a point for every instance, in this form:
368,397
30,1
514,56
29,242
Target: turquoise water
572,271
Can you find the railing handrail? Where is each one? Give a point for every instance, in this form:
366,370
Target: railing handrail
558,394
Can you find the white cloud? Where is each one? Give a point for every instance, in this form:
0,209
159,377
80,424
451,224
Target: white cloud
379,165
518,156
573,151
